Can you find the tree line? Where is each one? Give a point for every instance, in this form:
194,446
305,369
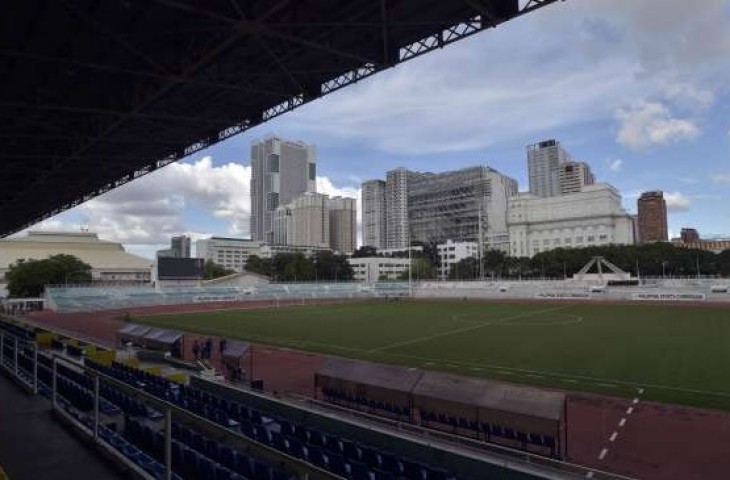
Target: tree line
650,260
297,267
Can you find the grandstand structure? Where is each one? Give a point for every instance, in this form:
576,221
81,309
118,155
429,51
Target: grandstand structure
157,422
67,299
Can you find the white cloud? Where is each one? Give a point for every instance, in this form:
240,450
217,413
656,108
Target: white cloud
720,178
616,165
689,97
148,211
676,202
651,123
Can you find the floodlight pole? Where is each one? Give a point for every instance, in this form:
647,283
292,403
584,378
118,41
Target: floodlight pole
410,267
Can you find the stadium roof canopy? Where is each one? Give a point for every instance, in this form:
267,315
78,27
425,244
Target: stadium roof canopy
96,93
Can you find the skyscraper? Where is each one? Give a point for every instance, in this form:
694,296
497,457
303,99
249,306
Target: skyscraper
373,214
652,217
181,246
281,171
343,224
317,221
573,176
544,160
396,203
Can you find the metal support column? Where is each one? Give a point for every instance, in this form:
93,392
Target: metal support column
15,365
35,369
2,348
168,444
96,408
54,395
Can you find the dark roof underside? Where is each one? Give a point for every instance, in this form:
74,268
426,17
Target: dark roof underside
95,93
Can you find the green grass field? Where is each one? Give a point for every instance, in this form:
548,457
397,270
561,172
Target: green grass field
676,354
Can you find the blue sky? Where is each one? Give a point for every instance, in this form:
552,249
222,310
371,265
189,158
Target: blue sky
638,89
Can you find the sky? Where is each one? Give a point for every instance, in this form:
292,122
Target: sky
638,89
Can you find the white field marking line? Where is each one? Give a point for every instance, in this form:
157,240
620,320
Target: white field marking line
563,375
622,422
629,410
462,330
613,437
279,341
603,454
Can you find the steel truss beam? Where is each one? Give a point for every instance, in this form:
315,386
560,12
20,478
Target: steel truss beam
308,37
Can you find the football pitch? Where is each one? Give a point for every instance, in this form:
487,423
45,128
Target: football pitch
674,354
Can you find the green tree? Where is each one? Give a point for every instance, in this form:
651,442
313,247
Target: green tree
28,278
256,264
365,251
212,270
422,270
329,266
464,269
299,268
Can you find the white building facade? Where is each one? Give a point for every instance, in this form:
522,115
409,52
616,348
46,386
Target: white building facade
451,253
592,217
230,253
374,269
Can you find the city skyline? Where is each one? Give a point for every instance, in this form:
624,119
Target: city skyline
644,114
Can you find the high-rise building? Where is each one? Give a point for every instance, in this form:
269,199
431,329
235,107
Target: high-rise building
465,205
343,224
396,202
317,221
374,214
230,253
652,217
281,170
573,176
304,222
179,248
592,217
544,160
689,235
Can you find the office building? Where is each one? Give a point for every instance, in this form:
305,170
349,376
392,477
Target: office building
544,160
689,235
229,253
281,171
374,269
573,176
464,205
374,214
592,217
451,253
652,210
